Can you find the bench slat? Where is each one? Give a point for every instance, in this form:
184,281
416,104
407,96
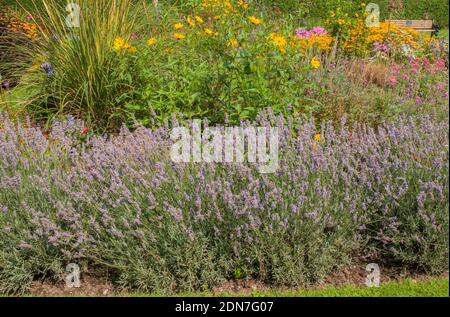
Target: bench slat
422,25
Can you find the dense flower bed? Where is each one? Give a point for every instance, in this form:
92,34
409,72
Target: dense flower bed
221,60
118,204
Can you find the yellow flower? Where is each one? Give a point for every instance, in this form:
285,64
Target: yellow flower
317,137
233,43
132,50
35,67
151,41
169,50
315,63
120,43
341,21
190,21
254,20
217,17
278,40
178,26
210,32
199,19
179,36
242,4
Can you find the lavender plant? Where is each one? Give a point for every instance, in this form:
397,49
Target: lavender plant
118,204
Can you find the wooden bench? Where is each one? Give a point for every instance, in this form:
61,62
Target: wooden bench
418,25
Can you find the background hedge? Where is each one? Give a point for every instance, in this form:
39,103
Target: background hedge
436,10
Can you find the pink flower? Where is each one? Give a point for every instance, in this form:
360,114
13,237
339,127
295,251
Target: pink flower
318,30
305,33
395,68
392,80
440,64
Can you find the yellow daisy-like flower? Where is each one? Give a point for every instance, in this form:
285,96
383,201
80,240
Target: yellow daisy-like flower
254,20
178,26
315,63
242,4
199,19
120,43
169,50
132,49
151,41
280,40
210,32
190,21
341,21
317,139
217,17
179,36
233,43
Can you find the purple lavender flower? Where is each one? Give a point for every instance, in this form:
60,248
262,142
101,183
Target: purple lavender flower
47,67
121,198
6,84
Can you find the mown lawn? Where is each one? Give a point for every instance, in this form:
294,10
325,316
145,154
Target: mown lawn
443,33
436,287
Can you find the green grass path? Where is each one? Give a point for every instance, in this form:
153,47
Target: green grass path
435,287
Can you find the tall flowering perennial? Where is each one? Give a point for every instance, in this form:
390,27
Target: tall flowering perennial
226,8
119,202
394,34
422,79
121,44
15,25
315,38
278,41
385,38
357,37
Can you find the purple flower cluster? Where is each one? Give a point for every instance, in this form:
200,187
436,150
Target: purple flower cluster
118,201
6,84
305,33
47,67
381,47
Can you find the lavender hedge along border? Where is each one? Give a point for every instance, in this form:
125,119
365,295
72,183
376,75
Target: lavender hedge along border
119,205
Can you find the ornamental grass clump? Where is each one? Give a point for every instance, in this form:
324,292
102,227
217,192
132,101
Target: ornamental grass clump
118,205
78,42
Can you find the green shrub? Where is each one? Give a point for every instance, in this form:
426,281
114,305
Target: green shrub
118,204
79,62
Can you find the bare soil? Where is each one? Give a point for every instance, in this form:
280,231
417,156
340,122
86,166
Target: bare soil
92,285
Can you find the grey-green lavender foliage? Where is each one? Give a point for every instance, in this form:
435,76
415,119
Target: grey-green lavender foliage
118,204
